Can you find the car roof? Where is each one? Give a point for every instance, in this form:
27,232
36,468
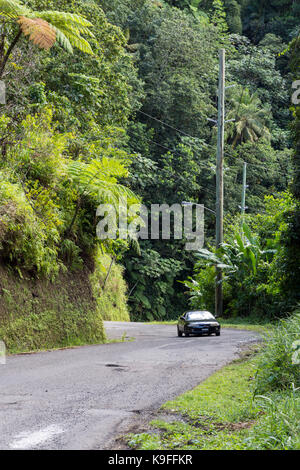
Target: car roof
197,311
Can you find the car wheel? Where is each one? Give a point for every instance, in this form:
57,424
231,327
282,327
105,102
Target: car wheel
187,334
218,334
179,333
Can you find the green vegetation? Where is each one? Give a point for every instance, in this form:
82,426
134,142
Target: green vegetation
109,289
58,163
176,144
254,403
108,99
279,365
112,98
40,315
248,323
69,311
253,260
241,323
115,99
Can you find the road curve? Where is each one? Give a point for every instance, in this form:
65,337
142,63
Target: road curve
83,398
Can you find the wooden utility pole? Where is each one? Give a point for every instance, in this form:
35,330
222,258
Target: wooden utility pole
243,206
219,180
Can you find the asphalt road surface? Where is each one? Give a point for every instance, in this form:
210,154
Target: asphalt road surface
83,398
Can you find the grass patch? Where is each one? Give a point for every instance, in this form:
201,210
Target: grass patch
223,397
221,414
248,323
215,415
51,330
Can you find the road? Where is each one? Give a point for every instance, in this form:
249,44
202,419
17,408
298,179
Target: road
83,398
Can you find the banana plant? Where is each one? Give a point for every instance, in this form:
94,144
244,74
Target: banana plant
242,255
44,28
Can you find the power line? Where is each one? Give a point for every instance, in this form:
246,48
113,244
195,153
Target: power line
170,150
176,151
208,192
181,132
168,125
175,129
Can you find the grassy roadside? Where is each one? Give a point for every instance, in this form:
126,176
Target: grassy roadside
249,323
215,415
75,344
221,414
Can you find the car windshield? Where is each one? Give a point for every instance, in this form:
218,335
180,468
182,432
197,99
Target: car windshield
200,316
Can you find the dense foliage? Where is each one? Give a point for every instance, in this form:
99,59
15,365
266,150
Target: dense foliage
279,364
122,94
61,130
113,100
177,143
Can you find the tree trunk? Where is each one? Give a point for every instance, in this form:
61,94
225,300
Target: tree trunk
8,53
68,231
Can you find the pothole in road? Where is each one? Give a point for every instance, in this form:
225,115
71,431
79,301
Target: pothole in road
117,367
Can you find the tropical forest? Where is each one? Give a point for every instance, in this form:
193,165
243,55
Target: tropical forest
103,101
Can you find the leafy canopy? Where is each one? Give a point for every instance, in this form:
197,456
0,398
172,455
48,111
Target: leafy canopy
45,28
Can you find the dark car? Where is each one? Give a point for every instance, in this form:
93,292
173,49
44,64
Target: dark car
198,323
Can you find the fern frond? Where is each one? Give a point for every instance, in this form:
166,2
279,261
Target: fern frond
62,17
12,9
63,20
77,41
63,40
109,167
75,28
97,180
39,31
71,26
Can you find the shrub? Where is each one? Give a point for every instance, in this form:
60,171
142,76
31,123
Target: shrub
23,239
40,153
277,370
279,428
109,288
253,263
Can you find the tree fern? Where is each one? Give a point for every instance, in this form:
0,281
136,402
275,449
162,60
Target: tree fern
70,27
39,31
46,28
12,9
100,180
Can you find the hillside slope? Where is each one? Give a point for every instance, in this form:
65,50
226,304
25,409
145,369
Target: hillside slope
39,314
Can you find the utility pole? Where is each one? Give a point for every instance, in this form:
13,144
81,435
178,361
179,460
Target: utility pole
243,206
220,181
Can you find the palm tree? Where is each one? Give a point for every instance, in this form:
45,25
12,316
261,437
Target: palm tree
43,28
250,119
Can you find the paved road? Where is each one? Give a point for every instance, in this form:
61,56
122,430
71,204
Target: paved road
84,397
